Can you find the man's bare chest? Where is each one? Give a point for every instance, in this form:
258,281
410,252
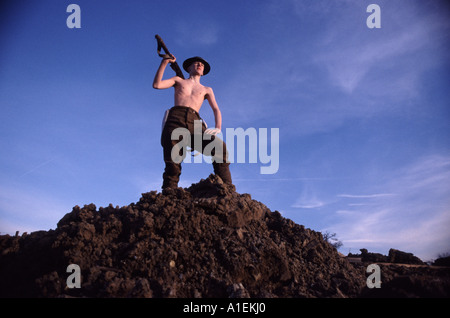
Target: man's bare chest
193,90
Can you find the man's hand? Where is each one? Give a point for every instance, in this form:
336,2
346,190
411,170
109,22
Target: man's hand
212,131
170,58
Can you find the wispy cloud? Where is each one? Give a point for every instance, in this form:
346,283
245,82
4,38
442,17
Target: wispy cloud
36,168
343,70
365,196
194,32
29,209
415,219
308,199
308,204
373,60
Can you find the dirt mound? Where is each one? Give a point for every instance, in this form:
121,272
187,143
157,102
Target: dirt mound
203,241
411,281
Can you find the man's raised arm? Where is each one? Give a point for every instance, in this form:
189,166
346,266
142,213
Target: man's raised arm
158,82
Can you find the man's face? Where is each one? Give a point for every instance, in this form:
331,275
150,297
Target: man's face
197,68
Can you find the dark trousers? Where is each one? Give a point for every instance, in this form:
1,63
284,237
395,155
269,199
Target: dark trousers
184,117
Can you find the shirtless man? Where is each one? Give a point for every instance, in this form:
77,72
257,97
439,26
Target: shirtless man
189,97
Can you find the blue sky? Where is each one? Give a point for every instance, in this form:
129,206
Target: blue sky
363,114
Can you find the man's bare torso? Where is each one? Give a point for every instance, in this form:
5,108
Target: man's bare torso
190,93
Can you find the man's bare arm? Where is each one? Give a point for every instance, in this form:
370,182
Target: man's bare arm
217,114
158,82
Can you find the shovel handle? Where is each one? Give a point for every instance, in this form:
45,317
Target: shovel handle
174,66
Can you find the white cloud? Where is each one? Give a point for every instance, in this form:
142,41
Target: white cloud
335,69
196,32
365,196
352,72
352,59
415,219
309,204
308,199
28,210
374,61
